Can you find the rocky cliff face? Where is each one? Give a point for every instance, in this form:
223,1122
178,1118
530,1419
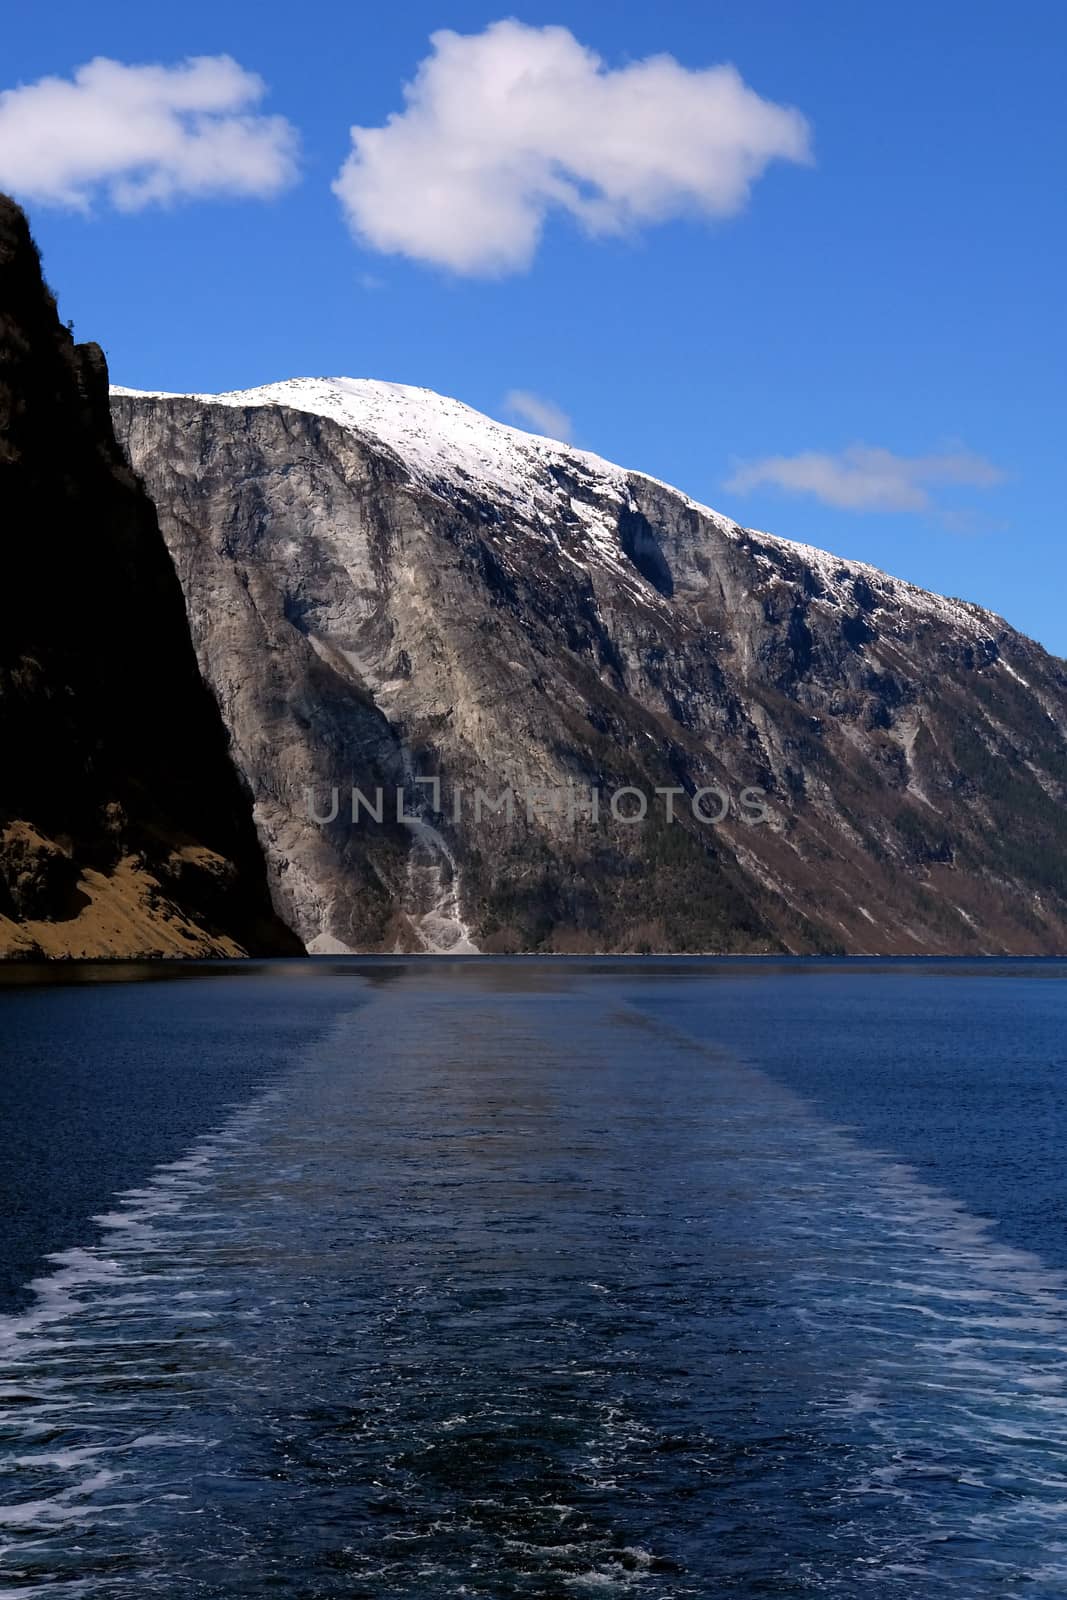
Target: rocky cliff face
384,585
124,828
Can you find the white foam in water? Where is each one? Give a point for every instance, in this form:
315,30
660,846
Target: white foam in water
977,1332
51,1336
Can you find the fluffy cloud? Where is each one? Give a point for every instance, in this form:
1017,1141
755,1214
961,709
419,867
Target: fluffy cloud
143,134
540,414
865,478
504,126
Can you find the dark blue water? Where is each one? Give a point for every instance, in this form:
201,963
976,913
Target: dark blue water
536,1279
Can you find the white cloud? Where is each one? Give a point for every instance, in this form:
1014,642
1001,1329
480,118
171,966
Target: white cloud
143,134
541,415
866,478
504,126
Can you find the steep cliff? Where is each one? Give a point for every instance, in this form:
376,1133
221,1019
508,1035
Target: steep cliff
384,585
124,827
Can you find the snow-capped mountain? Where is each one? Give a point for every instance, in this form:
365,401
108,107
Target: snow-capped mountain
454,451
385,584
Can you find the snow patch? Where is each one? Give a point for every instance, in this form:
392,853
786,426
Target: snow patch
1012,672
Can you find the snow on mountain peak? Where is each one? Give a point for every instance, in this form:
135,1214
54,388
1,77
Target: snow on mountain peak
440,440
448,446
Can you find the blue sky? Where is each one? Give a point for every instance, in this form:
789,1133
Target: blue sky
901,293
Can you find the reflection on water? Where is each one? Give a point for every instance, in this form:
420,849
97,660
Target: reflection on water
506,1280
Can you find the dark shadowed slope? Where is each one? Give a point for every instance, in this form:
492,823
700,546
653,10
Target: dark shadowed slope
124,828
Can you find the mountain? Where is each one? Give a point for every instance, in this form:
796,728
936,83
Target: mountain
124,828
385,585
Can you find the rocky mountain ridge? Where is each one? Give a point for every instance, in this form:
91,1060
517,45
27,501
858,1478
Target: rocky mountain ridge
384,585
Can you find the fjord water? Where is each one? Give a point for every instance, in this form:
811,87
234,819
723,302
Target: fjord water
444,1278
